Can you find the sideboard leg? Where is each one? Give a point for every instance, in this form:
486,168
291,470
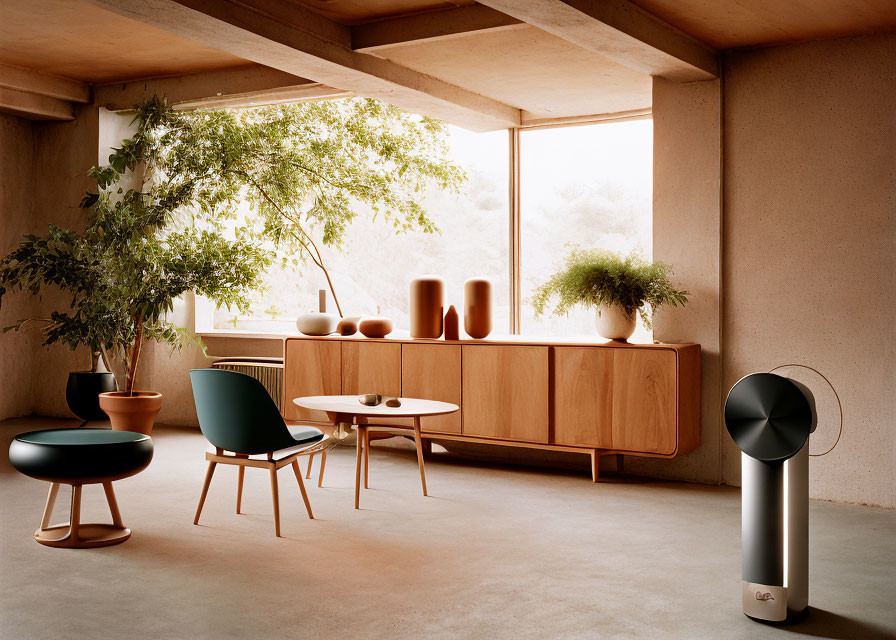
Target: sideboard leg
595,465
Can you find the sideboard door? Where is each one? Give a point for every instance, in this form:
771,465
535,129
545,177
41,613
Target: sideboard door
432,372
644,400
583,396
505,392
371,367
311,368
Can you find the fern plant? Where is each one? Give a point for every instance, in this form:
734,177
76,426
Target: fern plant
595,277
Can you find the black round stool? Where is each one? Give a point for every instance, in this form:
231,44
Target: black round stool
78,457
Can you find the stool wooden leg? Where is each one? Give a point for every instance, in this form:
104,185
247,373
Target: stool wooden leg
323,463
239,487
419,442
208,481
51,502
275,496
75,521
113,504
295,468
310,462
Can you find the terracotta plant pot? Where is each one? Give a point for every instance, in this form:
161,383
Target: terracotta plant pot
614,323
136,412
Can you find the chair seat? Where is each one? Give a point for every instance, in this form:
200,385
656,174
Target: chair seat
305,437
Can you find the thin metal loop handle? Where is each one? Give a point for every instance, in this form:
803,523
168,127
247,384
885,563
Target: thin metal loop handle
836,395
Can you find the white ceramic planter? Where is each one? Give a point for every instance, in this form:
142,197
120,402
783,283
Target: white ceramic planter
613,323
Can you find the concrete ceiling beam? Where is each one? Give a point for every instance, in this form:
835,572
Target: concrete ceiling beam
265,33
251,85
43,84
430,27
621,31
35,106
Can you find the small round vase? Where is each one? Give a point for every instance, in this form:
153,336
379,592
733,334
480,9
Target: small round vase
317,324
375,326
613,323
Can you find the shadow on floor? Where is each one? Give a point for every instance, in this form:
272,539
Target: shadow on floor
819,623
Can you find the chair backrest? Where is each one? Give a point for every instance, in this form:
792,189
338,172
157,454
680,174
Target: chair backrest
236,412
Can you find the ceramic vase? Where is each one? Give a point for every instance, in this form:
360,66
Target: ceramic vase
320,323
614,323
452,324
375,326
426,307
478,307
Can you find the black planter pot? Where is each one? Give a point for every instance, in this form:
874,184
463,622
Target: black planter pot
82,390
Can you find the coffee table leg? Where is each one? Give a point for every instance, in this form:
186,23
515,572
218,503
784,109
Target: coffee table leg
51,502
358,469
419,441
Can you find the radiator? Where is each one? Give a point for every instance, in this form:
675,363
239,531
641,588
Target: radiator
268,371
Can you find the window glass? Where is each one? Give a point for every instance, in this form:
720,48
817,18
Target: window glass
373,271
589,186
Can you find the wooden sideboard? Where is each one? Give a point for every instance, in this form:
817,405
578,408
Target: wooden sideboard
587,397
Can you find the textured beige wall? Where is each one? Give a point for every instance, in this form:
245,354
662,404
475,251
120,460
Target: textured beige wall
686,235
810,239
63,151
16,187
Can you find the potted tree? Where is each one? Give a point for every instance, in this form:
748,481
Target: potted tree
126,268
616,285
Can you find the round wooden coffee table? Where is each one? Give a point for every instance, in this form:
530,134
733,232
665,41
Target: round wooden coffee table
347,409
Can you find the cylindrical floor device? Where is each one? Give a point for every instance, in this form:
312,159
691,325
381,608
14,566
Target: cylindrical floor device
770,418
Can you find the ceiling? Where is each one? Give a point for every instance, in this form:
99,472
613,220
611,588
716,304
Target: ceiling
537,73
730,24
75,39
529,69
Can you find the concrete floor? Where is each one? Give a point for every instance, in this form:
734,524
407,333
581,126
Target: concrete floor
495,552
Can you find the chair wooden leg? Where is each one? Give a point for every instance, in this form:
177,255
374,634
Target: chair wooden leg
75,522
51,502
239,487
113,504
310,462
419,442
295,468
208,481
275,496
366,456
323,463
358,468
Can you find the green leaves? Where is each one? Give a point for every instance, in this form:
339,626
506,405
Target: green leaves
594,277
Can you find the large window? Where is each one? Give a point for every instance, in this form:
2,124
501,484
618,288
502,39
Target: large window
373,271
587,185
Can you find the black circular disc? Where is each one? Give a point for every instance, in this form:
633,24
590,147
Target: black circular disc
768,416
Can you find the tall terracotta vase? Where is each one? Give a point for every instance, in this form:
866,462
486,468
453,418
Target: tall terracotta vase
426,307
478,307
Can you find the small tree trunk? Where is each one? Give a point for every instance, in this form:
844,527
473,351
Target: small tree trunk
94,359
135,356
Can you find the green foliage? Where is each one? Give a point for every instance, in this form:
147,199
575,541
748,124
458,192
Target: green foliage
130,263
305,168
595,277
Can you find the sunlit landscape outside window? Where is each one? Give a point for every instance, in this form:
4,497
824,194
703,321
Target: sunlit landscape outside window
589,186
372,272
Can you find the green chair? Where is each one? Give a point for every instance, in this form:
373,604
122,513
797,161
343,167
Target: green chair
236,415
